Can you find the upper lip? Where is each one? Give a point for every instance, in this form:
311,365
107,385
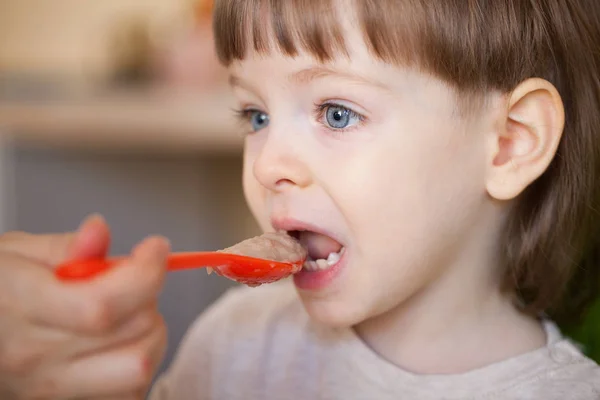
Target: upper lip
291,224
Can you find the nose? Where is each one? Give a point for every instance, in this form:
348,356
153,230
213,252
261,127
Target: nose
279,164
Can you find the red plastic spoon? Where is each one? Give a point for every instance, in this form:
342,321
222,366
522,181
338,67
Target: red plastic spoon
247,269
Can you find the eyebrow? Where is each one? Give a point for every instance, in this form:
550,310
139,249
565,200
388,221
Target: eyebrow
314,73
239,82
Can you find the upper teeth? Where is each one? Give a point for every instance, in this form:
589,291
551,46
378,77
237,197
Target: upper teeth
323,264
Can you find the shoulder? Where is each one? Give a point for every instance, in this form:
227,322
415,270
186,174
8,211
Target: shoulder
567,374
572,370
575,380
569,362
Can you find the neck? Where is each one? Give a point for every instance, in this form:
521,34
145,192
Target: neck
458,323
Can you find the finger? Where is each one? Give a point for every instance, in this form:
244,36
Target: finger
133,329
130,396
94,306
91,240
107,300
31,292
120,371
158,352
25,347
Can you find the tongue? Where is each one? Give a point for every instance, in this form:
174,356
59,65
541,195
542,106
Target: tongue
318,246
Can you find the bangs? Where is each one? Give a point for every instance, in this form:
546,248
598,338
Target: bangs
313,27
287,26
468,46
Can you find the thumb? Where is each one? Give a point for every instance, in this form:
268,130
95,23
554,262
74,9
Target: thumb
92,239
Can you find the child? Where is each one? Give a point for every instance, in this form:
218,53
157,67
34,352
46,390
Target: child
441,160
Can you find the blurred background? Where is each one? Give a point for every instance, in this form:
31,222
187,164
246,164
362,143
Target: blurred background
120,107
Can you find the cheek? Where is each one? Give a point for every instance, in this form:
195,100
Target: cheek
416,189
414,204
253,191
250,185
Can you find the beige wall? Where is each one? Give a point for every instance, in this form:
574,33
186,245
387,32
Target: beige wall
72,37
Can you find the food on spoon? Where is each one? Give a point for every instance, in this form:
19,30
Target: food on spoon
278,247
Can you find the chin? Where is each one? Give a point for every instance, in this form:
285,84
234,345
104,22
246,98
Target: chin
334,313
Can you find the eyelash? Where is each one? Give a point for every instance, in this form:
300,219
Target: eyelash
244,115
321,110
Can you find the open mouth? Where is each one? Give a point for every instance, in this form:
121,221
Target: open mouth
323,251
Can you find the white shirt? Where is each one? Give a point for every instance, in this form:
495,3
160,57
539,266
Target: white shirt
261,344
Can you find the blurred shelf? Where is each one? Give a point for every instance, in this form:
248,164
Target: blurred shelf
152,119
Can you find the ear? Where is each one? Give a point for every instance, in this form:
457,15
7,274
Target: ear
526,140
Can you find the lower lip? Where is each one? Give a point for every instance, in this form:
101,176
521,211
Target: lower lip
318,280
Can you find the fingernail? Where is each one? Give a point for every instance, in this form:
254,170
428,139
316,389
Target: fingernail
162,247
157,246
79,235
166,242
96,217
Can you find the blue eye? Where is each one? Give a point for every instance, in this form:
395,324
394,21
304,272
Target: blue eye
338,117
258,119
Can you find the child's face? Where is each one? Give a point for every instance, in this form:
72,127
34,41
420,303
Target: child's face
373,156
